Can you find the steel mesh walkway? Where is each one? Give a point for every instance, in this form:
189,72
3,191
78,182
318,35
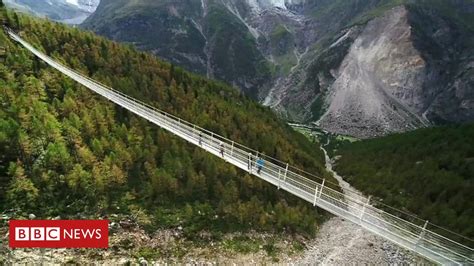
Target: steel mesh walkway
415,237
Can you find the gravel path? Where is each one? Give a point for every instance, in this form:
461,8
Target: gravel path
341,242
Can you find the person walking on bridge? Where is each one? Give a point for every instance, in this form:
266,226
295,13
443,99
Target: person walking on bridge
200,138
260,164
222,149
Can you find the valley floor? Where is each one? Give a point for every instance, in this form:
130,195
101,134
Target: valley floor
341,242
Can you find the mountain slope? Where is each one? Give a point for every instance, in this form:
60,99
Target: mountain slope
303,58
67,11
205,37
428,172
390,69
69,152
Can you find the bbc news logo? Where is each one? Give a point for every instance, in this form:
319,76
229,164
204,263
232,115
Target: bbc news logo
59,234
37,233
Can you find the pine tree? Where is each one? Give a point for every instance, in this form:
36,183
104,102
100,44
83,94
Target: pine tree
3,14
16,20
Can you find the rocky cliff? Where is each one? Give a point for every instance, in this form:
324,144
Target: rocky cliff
378,88
362,68
407,67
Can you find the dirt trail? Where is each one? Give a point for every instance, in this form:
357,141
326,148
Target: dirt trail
341,242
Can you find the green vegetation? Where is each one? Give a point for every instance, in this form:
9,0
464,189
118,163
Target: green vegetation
450,9
177,31
318,106
235,54
147,253
243,244
282,46
305,132
367,10
284,63
66,151
151,27
280,32
429,172
378,10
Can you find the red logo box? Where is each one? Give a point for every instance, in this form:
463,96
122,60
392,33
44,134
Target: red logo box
59,234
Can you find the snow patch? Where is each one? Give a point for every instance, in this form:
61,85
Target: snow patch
278,3
73,2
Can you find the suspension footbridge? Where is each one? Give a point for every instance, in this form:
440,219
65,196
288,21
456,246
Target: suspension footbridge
437,247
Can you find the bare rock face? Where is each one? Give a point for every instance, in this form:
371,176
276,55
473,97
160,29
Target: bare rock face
378,87
411,66
457,102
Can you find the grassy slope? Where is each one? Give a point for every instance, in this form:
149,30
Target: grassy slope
367,10
429,172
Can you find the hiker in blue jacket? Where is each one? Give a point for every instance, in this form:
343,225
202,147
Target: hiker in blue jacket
260,164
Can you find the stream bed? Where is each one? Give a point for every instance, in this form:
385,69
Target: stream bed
341,242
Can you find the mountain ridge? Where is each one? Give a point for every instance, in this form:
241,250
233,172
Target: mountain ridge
289,56
295,56
65,11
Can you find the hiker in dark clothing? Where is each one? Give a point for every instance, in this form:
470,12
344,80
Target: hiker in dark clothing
222,150
260,164
200,138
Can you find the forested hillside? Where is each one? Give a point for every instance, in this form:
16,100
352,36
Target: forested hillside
204,37
68,152
429,172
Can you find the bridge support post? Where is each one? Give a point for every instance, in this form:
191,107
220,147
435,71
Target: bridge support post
250,163
321,190
170,124
315,195
232,149
422,234
363,208
164,117
279,178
